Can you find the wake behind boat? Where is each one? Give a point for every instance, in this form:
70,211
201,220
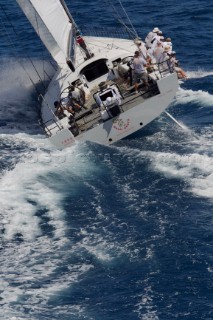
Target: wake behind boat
96,93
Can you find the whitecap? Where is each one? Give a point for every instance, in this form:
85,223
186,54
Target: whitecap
184,96
200,73
194,168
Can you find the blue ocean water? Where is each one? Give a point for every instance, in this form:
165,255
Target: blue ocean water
119,232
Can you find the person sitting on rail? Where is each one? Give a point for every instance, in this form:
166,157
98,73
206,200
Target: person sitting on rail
60,111
77,96
173,64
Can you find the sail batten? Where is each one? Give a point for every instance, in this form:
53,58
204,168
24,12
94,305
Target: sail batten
54,25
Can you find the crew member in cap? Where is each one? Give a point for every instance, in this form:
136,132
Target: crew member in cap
167,42
167,49
173,64
150,37
157,37
141,47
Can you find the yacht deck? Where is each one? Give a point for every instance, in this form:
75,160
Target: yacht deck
87,119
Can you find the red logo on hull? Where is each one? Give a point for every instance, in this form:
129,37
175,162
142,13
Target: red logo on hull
120,124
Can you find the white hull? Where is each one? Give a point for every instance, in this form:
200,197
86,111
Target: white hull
99,70
127,122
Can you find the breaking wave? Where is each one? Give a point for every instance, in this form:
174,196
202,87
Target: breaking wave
200,97
66,214
198,74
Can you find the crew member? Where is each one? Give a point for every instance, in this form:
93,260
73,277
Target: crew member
140,73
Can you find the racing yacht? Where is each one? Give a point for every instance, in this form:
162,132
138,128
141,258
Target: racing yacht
91,97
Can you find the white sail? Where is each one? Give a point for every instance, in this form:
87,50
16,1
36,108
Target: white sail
53,23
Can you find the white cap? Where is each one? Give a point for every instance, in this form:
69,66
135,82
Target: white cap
155,29
167,48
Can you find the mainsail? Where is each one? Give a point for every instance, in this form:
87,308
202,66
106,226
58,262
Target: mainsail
54,25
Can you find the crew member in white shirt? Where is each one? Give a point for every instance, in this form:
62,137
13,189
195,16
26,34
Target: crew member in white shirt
139,65
150,36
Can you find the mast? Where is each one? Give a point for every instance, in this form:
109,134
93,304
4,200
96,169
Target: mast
67,11
72,41
79,39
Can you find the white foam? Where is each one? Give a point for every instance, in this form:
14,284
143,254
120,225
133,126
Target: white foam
25,190
40,181
98,250
99,245
199,74
18,193
32,267
194,168
183,96
145,308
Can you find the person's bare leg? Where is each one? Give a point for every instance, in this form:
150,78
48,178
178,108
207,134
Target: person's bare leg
136,87
183,74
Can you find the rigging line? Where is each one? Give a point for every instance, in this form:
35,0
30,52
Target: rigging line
131,33
21,64
13,46
119,18
75,26
116,14
103,46
53,65
128,18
